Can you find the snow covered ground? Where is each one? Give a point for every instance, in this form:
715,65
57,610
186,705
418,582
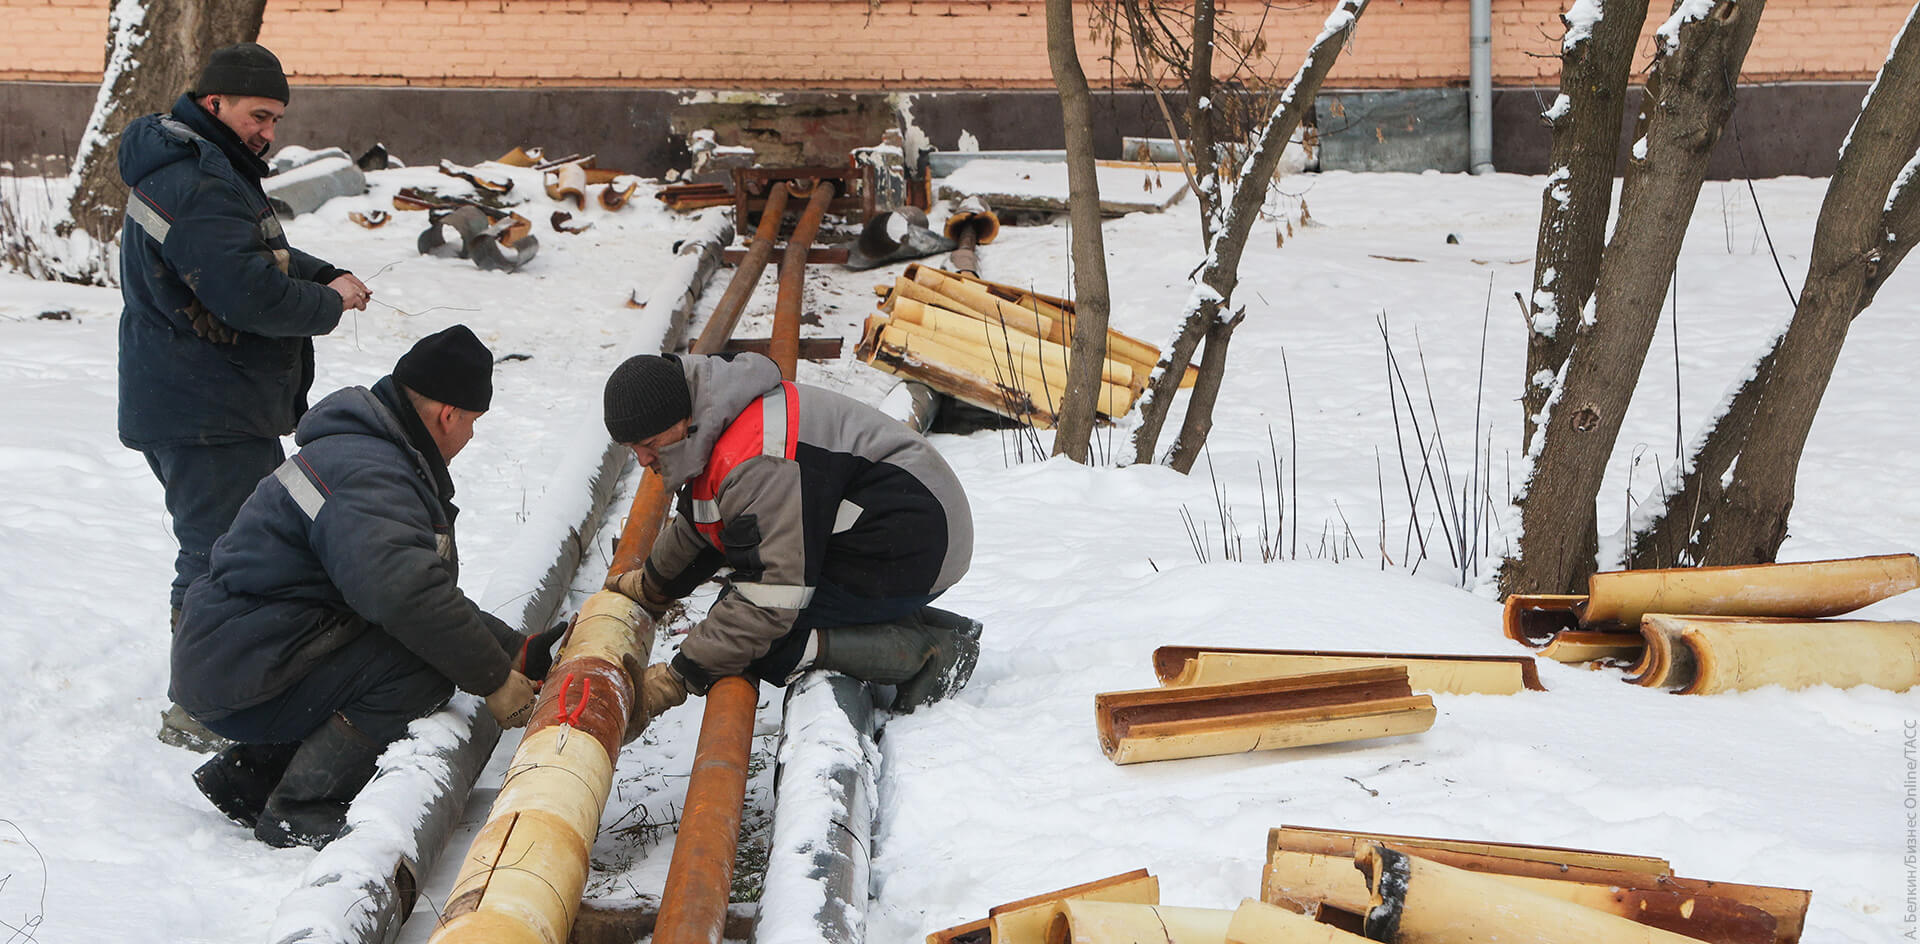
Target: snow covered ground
1079,573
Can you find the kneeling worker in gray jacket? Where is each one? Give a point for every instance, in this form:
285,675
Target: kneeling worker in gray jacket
332,616
839,525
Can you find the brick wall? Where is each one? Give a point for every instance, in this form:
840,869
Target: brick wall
891,44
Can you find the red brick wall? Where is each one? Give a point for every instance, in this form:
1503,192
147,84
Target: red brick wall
890,44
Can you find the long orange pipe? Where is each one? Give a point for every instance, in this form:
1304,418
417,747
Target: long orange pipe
785,346
693,907
727,312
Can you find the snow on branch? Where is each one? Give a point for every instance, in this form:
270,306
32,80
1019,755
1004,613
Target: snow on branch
1580,18
1687,11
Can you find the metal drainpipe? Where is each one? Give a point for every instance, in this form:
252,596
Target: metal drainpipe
1480,89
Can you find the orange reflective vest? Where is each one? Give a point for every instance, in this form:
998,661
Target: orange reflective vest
769,426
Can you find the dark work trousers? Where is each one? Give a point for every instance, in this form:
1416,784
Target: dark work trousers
831,606
206,486
377,683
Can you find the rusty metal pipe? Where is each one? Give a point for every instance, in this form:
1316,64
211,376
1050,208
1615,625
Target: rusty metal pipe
727,312
785,347
693,907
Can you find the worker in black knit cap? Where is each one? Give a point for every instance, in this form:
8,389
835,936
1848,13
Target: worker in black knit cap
332,615
220,311
838,523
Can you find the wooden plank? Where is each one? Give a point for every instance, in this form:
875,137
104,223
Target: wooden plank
811,349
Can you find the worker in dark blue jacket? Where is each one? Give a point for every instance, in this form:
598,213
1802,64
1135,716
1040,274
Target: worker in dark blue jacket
332,615
216,350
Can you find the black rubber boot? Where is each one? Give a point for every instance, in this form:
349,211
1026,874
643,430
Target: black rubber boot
238,779
927,656
309,805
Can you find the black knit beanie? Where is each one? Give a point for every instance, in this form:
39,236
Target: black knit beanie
645,395
452,367
243,69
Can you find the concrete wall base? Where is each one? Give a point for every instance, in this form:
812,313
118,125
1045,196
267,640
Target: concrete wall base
1793,128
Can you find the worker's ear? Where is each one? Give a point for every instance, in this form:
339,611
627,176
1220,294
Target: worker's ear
446,415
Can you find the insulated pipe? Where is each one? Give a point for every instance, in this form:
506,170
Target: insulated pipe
523,876
785,348
727,312
818,864
1480,88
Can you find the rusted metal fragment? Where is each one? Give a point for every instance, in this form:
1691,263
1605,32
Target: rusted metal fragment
520,157
486,241
491,183
563,222
613,197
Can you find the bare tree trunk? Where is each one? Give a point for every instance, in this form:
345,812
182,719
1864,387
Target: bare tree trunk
1074,430
1206,391
155,48
1158,398
1200,117
1585,120
1732,502
1221,275
1690,94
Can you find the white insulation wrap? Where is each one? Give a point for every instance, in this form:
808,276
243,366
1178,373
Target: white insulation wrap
816,885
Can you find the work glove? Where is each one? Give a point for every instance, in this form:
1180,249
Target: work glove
512,703
637,587
208,327
536,653
660,688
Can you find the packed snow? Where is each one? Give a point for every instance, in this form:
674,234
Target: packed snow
1080,571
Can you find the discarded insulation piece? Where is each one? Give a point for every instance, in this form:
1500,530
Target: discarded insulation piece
613,197
520,157
1135,886
1312,868
486,182
567,182
1416,901
987,300
481,238
1615,601
1474,854
563,222
1579,645
1256,922
1080,921
1266,714
1809,590
1031,920
1022,347
1702,655
1451,675
372,219
892,354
